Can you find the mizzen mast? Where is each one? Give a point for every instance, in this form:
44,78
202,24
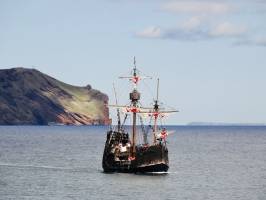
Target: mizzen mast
156,114
118,111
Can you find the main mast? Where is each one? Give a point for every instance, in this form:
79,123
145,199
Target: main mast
134,97
134,108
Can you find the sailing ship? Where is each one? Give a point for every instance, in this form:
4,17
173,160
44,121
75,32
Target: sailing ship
122,153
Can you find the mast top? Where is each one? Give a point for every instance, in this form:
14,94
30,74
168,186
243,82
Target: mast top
156,105
135,68
135,77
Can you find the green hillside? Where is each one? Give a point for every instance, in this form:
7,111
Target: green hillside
28,96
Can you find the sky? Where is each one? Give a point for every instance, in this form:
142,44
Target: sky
210,55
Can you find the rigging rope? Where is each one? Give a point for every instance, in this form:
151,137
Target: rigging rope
125,118
145,133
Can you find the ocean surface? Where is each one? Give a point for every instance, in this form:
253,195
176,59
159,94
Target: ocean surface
64,162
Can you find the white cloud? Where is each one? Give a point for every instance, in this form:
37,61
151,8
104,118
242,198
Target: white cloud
195,29
206,20
197,7
227,29
150,32
177,33
193,23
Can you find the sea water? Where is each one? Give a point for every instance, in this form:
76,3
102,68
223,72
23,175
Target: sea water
64,162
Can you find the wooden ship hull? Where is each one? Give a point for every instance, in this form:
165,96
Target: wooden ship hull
152,158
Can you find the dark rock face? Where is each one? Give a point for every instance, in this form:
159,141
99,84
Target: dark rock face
28,96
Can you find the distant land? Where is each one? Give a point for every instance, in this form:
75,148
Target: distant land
224,124
29,97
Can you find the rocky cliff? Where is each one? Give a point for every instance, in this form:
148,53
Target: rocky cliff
29,97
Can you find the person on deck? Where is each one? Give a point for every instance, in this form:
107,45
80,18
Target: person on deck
164,134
